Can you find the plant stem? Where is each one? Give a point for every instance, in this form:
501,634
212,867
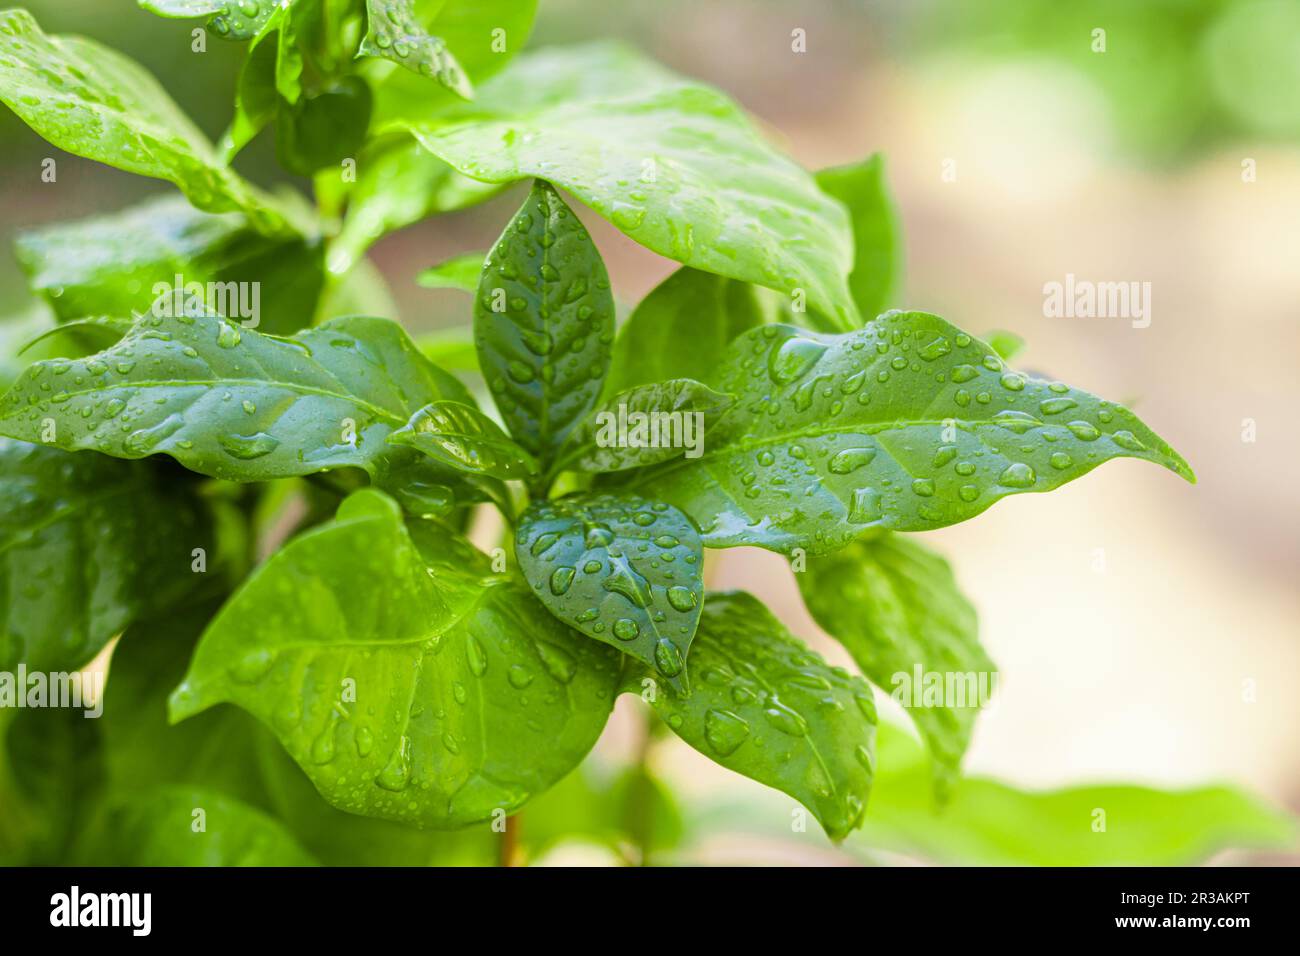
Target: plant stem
508,849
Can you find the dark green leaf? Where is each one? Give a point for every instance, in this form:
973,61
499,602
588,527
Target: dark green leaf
767,707
87,545
190,826
96,103
659,157
255,92
543,322
408,681
395,33
235,404
908,425
623,570
877,245
118,265
321,130
895,605
645,425
461,273
683,327
462,437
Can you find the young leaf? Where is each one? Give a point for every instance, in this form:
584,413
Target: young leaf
399,183
96,103
1006,344
80,555
395,33
232,403
117,264
767,707
909,424
657,156
543,322
462,437
451,349
645,425
324,129
623,570
877,245
682,329
895,605
462,273
158,829
407,680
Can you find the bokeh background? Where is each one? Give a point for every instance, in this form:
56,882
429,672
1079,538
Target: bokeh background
1147,630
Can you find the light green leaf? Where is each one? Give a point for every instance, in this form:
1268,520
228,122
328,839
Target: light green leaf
767,707
114,265
399,183
462,437
658,156
83,552
682,328
157,829
94,102
1006,344
395,33
990,823
469,697
232,403
895,605
624,570
544,322
231,19
645,425
907,425
451,349
462,273
877,244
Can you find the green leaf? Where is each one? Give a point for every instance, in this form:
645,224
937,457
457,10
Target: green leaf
624,570
462,273
909,424
462,437
682,329
337,838
877,244
658,156
399,183
451,349
160,828
483,35
645,425
408,681
87,545
543,322
321,130
1006,344
232,403
895,605
101,333
51,777
93,102
255,90
395,33
768,708
990,823
231,19
116,265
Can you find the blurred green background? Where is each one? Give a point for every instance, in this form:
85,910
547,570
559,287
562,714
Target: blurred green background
1147,631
